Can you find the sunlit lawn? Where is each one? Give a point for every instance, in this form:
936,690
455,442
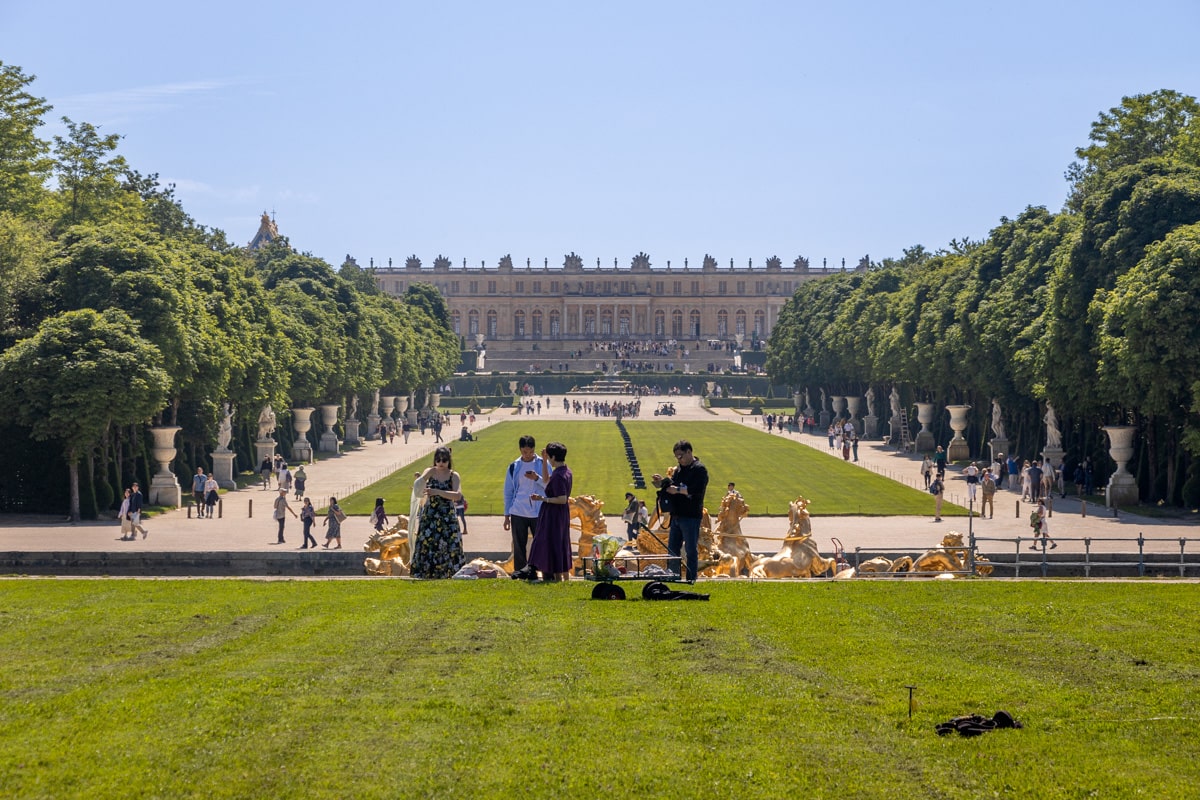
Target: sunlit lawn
770,471
388,688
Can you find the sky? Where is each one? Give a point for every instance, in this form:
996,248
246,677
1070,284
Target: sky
474,130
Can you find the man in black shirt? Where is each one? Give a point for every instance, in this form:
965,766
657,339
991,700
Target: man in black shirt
684,490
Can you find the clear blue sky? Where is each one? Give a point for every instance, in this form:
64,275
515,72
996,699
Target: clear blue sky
475,129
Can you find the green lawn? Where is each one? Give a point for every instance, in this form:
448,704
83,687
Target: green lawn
770,471
388,688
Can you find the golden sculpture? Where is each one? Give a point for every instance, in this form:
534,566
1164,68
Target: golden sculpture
799,557
393,549
949,558
587,509
736,558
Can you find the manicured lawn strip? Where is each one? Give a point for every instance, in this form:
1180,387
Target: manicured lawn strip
396,689
770,471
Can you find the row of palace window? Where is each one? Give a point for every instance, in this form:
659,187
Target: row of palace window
606,287
624,324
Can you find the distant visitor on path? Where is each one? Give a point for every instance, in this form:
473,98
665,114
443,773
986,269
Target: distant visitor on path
282,509
334,518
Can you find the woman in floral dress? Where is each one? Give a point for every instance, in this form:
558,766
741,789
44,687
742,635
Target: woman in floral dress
437,546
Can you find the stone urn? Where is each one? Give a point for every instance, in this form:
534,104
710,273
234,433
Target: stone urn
435,400
328,442
301,424
958,450
1122,486
164,486
839,406
852,406
924,438
402,403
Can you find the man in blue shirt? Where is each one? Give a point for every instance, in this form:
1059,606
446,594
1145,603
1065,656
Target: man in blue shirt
523,479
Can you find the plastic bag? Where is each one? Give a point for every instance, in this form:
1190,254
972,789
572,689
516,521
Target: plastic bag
604,549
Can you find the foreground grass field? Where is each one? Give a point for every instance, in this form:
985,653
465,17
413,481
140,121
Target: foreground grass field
770,471
363,689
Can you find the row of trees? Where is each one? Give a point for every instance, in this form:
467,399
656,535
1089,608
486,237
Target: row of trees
117,309
1095,309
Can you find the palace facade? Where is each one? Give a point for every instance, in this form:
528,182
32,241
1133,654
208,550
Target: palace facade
510,303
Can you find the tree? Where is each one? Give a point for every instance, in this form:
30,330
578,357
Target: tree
88,171
82,372
427,297
24,164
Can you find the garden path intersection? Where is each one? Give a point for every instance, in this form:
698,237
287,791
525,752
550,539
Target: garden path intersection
236,532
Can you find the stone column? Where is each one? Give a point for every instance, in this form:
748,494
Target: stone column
329,417
164,486
958,449
223,468
410,403
924,438
1122,486
302,423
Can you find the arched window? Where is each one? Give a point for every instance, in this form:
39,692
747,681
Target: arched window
473,322
493,325
536,319
677,324
519,325
694,323
660,323
555,325
722,323
739,322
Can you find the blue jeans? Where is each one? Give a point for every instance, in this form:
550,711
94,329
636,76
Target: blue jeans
685,532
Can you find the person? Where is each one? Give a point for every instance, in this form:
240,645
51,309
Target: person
939,461
854,445
135,511
299,481
465,436
1040,522
460,508
1080,479
1026,492
972,473
437,429
198,481
685,490
937,488
308,515
264,470
379,518
280,512
521,481
405,430
643,515
285,477
333,524
1001,470
383,433
1035,482
126,518
211,494
1014,471
987,486
437,547
630,516
550,553
731,488
927,470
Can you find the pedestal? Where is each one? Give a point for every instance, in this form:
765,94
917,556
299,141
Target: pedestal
1054,455
870,425
924,439
823,421
852,406
999,448
352,431
329,441
223,469
372,425
164,486
958,450
264,449
1122,486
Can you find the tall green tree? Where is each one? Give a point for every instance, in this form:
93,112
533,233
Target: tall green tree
81,373
24,160
89,171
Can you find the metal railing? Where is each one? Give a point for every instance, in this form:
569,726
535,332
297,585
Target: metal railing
1090,560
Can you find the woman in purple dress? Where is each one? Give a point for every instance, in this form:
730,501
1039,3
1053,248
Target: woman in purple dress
550,553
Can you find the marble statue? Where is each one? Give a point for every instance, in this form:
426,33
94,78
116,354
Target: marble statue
1053,434
225,432
353,408
807,402
997,422
870,401
822,399
375,403
266,422
894,400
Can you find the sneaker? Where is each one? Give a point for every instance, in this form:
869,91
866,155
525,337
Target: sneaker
1053,545
1034,548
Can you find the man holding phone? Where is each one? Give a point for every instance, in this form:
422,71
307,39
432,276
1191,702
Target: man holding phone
522,480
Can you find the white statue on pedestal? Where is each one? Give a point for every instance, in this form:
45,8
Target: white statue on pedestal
353,408
1053,435
894,400
870,401
225,432
266,422
997,422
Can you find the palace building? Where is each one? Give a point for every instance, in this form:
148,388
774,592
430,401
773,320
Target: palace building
508,303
